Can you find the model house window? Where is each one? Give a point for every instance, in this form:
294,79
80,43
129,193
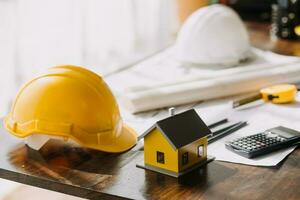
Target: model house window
185,158
200,151
160,157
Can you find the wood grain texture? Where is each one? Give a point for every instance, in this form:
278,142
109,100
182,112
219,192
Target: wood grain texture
94,175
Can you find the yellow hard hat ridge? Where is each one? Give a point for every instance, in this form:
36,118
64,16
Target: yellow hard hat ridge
74,103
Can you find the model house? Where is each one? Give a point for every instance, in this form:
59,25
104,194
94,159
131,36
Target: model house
176,145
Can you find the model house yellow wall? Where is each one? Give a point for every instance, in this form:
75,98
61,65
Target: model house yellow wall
155,141
173,159
193,157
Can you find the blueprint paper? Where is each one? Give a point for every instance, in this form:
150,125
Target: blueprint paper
162,81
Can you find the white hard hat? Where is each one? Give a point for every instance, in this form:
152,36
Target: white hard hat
213,35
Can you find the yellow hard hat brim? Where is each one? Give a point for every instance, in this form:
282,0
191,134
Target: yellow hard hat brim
126,140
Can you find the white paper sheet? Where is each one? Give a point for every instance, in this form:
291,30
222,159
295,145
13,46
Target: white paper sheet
259,119
163,69
162,81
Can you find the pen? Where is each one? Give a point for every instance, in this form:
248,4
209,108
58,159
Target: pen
218,123
228,130
221,130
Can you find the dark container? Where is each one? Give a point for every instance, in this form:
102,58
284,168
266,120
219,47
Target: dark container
286,19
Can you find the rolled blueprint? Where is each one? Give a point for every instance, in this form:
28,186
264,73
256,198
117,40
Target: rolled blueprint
196,90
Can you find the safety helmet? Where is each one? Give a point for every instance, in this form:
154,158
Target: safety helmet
213,35
74,103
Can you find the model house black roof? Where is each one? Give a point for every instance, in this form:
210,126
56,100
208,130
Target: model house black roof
181,129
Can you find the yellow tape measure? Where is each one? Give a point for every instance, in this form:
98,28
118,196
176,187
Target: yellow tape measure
285,93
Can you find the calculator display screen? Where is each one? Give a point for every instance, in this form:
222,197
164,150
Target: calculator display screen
284,132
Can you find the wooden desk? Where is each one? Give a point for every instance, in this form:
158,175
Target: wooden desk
94,175
260,38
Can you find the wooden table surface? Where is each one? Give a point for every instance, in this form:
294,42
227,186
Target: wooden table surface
95,175
260,38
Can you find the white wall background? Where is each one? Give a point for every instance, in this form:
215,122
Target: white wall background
99,34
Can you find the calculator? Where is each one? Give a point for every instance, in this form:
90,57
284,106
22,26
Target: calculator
266,142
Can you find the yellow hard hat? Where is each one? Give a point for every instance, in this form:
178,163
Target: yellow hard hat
73,103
